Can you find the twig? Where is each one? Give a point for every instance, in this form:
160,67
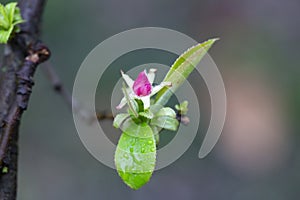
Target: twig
56,83
86,115
60,89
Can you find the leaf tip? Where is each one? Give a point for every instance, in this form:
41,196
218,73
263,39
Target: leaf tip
210,42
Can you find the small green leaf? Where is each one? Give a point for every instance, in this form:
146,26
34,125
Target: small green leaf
156,130
165,122
5,34
166,111
132,104
135,155
4,170
10,16
147,114
182,68
165,118
17,16
182,108
10,11
119,119
4,21
140,105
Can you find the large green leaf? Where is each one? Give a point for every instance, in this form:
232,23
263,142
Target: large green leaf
135,155
182,68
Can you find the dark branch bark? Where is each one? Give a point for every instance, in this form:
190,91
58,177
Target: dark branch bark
22,55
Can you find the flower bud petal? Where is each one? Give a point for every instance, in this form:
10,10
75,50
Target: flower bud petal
142,86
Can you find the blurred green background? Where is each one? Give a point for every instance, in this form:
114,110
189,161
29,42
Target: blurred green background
257,156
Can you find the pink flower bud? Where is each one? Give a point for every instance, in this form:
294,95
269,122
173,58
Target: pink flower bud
142,86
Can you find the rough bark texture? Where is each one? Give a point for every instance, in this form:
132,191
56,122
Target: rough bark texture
21,57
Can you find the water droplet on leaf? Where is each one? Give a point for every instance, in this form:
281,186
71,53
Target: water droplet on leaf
125,155
150,142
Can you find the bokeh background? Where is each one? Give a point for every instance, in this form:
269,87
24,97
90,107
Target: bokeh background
257,156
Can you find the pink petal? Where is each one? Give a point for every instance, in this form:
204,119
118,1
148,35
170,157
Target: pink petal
142,86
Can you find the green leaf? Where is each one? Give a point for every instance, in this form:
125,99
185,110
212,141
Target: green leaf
10,16
119,119
182,68
10,11
147,114
156,130
140,105
4,21
165,118
166,111
134,129
132,104
17,16
4,170
5,34
182,108
165,122
135,155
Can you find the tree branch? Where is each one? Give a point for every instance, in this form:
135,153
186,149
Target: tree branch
22,55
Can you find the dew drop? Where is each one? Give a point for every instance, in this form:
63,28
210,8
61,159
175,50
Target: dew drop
150,142
132,141
125,155
131,149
